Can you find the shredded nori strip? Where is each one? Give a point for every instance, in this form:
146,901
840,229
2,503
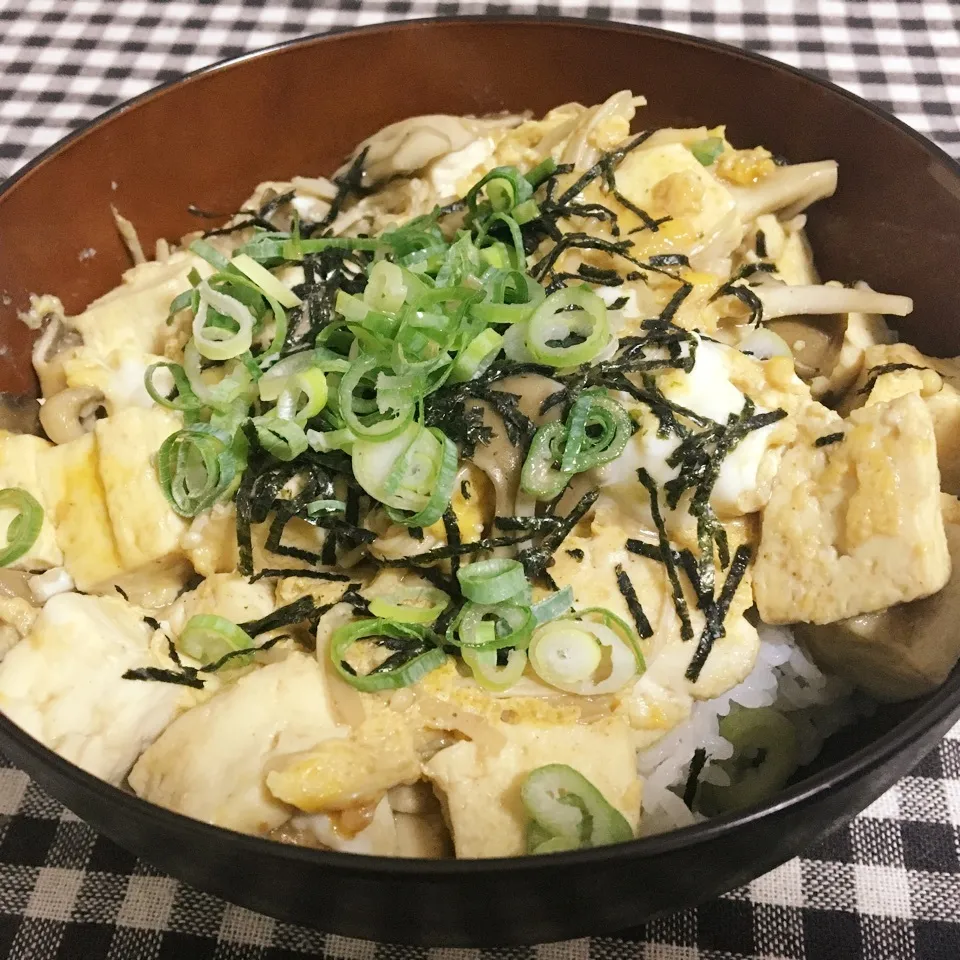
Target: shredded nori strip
193,581
697,764
644,630
121,592
761,244
349,184
716,613
530,524
304,608
465,489
668,260
233,654
874,374
152,623
307,574
605,166
576,553
361,605
828,439
700,457
667,556
186,677
452,528
446,408
536,559
446,552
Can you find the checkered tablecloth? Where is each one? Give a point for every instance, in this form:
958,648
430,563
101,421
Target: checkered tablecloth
886,888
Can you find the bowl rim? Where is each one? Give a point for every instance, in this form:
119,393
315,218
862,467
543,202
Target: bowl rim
937,709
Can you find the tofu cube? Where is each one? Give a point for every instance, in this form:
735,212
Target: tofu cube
21,456
145,527
78,509
480,790
902,652
855,526
227,595
134,315
936,381
64,684
669,180
210,763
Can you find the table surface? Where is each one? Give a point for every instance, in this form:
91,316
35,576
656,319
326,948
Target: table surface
885,888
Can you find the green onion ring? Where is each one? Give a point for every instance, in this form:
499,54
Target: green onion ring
24,528
208,637
553,321
539,477
468,629
483,665
492,581
402,676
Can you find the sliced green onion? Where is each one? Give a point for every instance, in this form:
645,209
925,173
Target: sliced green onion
397,471
707,150
526,211
24,528
493,581
582,657
326,440
294,249
582,450
236,385
308,386
266,281
542,171
283,439
379,430
209,253
553,606
184,400
196,468
568,808
479,354
506,187
554,321
326,506
208,637
216,343
440,485
509,626
189,298
539,476
619,626
424,657
273,382
351,307
483,665
410,605
386,289
765,756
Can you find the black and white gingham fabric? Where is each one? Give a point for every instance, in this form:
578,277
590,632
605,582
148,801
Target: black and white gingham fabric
886,888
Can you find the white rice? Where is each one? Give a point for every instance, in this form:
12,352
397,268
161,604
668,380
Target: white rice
784,678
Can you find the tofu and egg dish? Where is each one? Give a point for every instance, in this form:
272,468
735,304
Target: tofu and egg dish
522,488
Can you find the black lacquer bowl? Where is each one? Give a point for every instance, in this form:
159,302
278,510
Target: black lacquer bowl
298,109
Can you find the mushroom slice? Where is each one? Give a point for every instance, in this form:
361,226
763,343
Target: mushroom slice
71,413
57,341
783,300
787,190
408,146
